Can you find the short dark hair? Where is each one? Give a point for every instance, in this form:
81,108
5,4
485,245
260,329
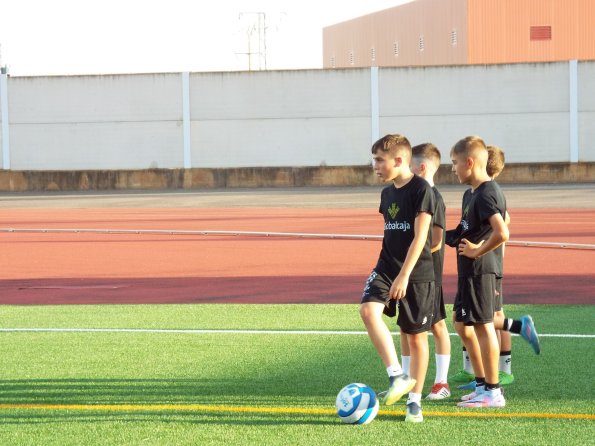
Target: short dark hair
392,144
468,145
427,151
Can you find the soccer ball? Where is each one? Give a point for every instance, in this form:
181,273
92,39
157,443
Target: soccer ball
357,404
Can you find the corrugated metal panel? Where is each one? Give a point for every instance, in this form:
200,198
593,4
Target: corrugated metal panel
444,32
517,31
423,32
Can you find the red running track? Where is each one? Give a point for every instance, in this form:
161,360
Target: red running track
75,268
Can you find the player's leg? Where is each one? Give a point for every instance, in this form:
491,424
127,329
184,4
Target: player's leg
379,333
413,320
523,326
480,306
405,354
505,361
464,328
469,340
373,305
504,340
418,346
466,374
440,389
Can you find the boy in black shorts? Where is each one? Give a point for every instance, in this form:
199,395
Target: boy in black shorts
404,271
524,326
425,163
483,229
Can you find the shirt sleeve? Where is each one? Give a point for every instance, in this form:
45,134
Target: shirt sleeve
426,200
440,214
487,205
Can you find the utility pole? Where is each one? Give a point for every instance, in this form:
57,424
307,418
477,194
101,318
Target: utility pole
3,68
256,38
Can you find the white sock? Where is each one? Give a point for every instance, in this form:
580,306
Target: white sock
414,398
394,370
442,364
406,361
467,362
505,364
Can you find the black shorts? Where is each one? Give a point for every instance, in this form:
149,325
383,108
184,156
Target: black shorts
439,308
475,299
499,298
415,313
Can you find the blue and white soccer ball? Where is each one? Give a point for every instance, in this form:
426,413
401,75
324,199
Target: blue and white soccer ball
357,404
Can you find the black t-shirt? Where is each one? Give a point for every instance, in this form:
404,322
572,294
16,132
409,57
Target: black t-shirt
400,207
478,207
499,251
440,221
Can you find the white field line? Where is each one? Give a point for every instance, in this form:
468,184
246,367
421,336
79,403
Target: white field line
527,244
248,332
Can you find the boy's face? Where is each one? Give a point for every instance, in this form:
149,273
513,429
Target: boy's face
461,168
385,165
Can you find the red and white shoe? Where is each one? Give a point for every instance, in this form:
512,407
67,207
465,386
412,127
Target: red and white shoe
439,392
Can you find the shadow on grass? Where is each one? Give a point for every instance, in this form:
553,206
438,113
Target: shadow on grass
39,417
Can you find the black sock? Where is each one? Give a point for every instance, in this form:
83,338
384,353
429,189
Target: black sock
515,326
479,381
491,386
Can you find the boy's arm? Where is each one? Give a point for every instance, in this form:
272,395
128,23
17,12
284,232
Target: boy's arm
421,227
437,232
499,235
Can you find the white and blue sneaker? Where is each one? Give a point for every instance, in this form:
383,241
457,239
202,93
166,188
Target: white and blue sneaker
529,333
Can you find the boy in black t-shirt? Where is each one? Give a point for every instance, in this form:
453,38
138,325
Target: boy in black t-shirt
483,229
404,271
523,326
425,163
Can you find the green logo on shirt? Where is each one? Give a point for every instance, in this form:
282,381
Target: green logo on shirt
393,210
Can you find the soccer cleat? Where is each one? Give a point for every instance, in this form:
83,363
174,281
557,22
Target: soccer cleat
469,386
492,398
505,378
413,413
462,376
529,333
399,386
477,392
439,392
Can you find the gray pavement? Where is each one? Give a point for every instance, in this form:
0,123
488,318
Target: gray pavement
518,196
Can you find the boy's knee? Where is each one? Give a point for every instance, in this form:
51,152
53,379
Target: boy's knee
439,328
367,312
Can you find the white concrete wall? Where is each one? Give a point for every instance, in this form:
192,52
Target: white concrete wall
586,107
521,108
293,118
280,118
95,122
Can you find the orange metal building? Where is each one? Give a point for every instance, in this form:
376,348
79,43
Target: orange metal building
455,32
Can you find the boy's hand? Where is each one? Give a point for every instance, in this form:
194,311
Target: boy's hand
468,249
399,287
